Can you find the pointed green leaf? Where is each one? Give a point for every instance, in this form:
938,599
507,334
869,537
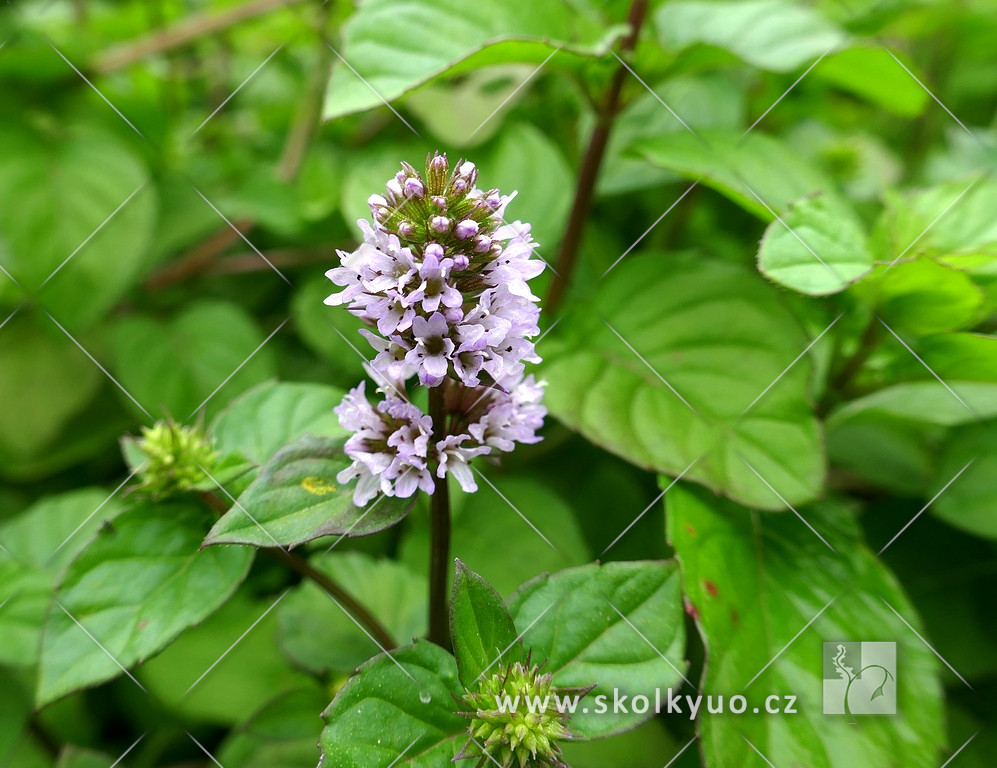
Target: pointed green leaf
817,248
398,710
259,422
481,628
296,498
619,625
137,586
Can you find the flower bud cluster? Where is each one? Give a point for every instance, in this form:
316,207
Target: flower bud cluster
520,738
441,281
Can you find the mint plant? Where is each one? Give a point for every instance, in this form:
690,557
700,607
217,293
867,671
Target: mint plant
369,494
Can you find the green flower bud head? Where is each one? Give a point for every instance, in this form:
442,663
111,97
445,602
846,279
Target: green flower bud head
172,457
505,730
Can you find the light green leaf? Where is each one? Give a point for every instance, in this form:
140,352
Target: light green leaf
737,166
138,585
754,583
379,44
317,635
481,628
55,193
947,404
643,747
280,735
818,248
874,75
969,452
587,623
704,100
296,498
394,705
259,422
718,336
770,34
61,381
172,368
922,296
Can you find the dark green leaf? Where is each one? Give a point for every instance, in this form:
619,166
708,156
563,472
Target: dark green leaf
966,469
481,628
296,498
754,583
397,705
138,585
280,735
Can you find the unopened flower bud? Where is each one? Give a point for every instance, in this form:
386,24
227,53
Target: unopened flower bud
406,229
414,187
440,202
459,186
175,458
435,250
460,262
440,224
482,243
466,229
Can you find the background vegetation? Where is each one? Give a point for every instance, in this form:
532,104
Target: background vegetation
783,292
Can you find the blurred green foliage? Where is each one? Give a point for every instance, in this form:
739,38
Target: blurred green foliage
175,176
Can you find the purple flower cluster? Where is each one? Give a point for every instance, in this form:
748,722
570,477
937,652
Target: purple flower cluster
442,282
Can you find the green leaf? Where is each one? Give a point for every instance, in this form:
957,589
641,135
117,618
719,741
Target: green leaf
317,635
817,248
643,747
969,502
259,422
280,735
296,498
394,705
705,101
138,585
588,624
946,404
874,75
61,381
922,297
736,165
718,336
56,191
481,628
172,368
754,583
380,47
41,541
770,34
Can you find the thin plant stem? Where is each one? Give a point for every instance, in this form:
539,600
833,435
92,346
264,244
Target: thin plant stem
439,554
301,566
606,113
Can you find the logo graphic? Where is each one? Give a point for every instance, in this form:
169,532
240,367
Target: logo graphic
860,678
